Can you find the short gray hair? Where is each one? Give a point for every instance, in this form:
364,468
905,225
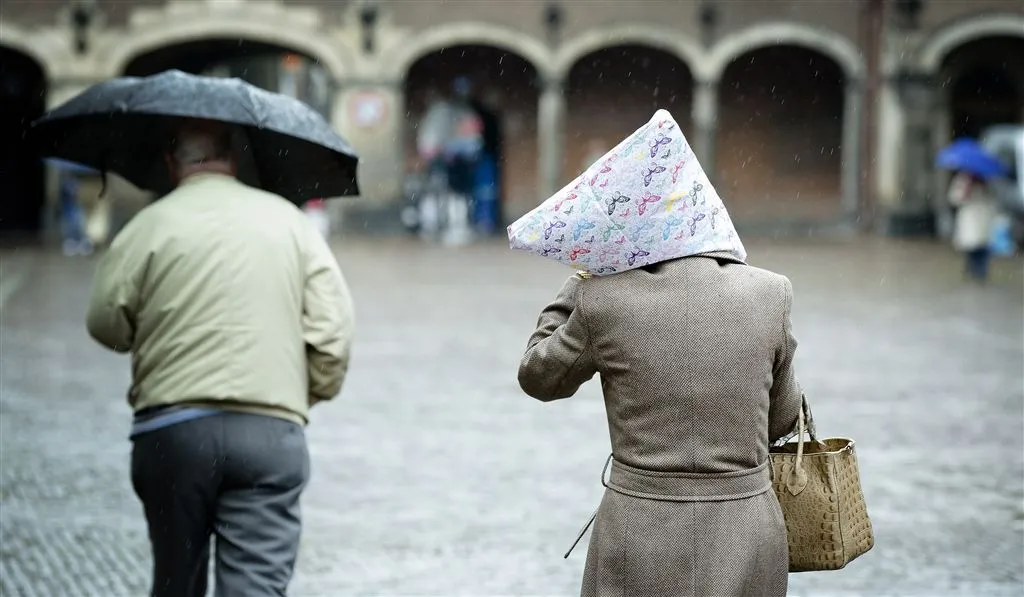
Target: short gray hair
192,145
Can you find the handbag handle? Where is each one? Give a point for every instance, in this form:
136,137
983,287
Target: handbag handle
796,481
808,419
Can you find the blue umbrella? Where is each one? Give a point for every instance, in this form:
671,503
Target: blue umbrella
965,154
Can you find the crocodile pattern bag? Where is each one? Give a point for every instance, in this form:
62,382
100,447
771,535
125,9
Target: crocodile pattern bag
818,485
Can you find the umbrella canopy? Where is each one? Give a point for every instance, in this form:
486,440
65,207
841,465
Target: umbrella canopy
967,155
121,125
647,200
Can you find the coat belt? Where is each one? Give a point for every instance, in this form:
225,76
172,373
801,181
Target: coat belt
688,487
681,487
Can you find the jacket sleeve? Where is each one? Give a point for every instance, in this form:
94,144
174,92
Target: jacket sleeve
327,321
786,397
115,299
558,357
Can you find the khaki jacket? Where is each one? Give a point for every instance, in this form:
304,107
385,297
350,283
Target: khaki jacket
695,357
225,295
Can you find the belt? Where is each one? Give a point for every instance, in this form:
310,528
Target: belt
680,487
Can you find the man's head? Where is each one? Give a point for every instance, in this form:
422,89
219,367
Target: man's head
199,146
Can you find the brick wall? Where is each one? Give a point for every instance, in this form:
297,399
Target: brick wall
780,133
612,92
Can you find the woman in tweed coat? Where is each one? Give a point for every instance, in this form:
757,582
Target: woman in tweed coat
696,363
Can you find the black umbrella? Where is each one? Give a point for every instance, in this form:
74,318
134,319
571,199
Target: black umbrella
121,125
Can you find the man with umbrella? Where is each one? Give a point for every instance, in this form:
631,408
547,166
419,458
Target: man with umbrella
236,314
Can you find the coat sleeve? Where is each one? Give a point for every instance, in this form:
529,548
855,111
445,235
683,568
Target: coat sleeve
327,321
558,357
785,395
116,298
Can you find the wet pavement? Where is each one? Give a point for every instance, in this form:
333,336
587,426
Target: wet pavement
434,475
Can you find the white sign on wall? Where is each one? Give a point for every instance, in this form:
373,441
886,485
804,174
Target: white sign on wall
368,109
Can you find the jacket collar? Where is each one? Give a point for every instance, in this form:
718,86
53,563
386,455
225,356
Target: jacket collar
203,176
722,256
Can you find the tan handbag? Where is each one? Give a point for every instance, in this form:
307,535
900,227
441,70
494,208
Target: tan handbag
818,485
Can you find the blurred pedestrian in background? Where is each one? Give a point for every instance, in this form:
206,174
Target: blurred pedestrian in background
433,132
464,146
976,211
72,216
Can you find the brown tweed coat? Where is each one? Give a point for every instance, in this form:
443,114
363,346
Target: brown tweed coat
696,364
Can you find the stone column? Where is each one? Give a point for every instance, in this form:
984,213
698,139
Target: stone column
550,137
888,148
371,116
853,103
914,213
942,135
704,114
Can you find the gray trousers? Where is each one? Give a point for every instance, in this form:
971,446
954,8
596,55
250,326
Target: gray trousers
234,476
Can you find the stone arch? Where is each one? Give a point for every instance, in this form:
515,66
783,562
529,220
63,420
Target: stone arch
26,82
18,40
828,43
950,37
277,25
783,130
613,85
505,95
666,40
398,59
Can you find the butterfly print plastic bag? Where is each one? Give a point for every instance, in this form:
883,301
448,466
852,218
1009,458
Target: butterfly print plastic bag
647,200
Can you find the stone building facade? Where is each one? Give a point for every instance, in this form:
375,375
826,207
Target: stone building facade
798,112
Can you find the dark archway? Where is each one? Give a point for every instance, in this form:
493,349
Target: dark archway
269,66
614,91
22,186
984,83
780,135
504,93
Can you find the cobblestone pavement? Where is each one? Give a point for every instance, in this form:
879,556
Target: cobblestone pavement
434,475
